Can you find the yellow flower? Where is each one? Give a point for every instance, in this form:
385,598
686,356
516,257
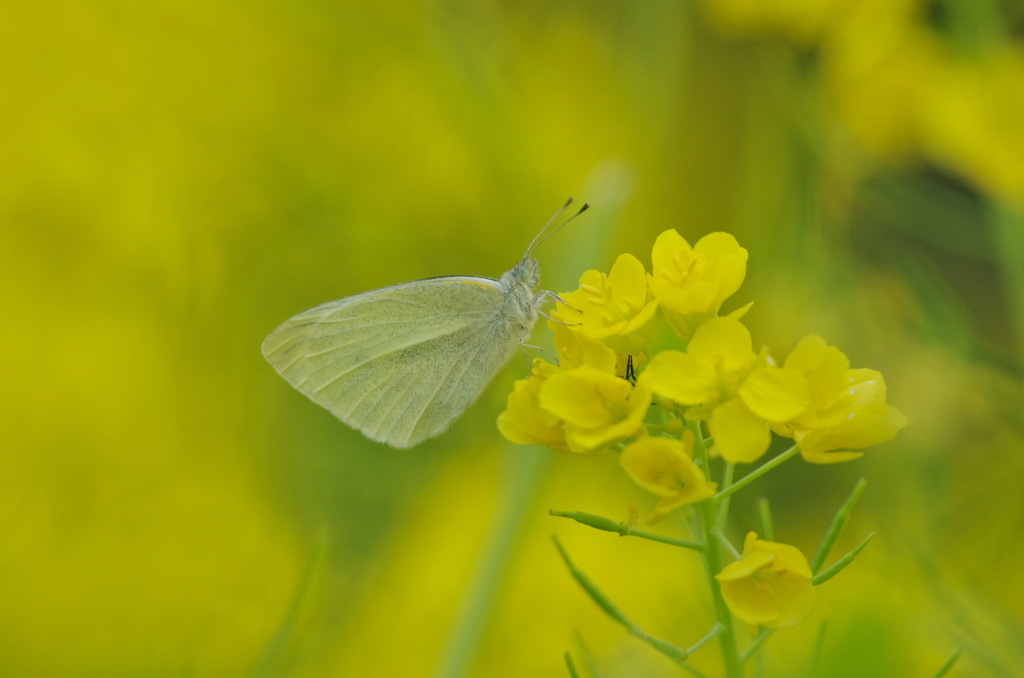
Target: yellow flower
576,349
972,121
848,409
598,409
524,421
665,467
770,585
690,284
878,56
614,308
737,391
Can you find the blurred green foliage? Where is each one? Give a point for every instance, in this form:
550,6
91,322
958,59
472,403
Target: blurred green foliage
178,177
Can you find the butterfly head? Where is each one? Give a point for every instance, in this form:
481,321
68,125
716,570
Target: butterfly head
524,275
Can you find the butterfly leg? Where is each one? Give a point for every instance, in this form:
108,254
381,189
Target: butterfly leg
551,295
525,346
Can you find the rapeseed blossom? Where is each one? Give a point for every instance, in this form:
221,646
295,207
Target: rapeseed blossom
736,390
597,408
619,309
599,394
682,418
524,421
691,283
770,585
665,467
953,95
848,407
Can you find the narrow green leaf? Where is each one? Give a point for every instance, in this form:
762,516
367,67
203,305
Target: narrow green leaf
571,666
838,522
671,651
944,669
595,593
841,564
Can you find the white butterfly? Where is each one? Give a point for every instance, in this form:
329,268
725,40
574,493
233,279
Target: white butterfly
400,363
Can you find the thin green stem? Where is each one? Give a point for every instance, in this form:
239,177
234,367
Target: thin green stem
622,529
757,473
569,664
708,637
819,651
764,512
525,467
278,656
724,541
723,506
700,448
714,562
756,644
944,669
1008,226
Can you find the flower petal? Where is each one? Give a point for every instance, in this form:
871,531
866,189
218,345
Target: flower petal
740,435
776,394
680,377
724,342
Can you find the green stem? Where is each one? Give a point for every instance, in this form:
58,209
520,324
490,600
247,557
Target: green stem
569,664
622,529
756,473
525,468
1008,224
756,644
726,544
944,669
723,506
708,637
764,512
714,562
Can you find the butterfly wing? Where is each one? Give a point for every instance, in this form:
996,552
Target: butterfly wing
399,363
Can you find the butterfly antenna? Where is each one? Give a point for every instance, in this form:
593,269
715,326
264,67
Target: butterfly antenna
541,237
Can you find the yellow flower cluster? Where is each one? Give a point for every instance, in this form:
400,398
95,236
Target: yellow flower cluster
905,89
601,392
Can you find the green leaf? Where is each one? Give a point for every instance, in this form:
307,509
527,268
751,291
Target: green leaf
841,564
671,651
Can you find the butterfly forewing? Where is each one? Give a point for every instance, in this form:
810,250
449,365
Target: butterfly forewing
398,363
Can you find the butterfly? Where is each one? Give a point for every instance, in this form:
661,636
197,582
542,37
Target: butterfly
401,363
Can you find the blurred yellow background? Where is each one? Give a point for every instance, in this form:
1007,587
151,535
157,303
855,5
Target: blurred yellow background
176,178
